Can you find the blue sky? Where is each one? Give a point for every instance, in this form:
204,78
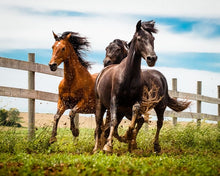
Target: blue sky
187,44
189,31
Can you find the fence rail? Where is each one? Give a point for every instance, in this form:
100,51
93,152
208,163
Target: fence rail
32,94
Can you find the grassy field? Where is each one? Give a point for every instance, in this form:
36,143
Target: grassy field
186,150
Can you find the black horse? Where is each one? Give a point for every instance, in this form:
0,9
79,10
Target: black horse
115,52
119,87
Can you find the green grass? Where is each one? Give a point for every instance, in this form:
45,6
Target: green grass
186,150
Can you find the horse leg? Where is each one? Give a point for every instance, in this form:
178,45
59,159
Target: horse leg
115,134
55,123
72,115
113,110
106,130
133,144
160,113
100,110
135,114
79,107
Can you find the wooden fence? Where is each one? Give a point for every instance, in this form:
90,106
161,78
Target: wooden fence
31,94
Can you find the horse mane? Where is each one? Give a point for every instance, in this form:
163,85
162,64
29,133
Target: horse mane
149,26
80,44
121,43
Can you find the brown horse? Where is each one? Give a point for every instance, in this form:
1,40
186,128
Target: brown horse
76,90
115,53
119,87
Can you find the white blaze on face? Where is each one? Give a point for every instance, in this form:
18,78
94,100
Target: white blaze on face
58,44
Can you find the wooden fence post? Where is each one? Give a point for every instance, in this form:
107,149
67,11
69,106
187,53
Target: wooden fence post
174,87
31,102
199,92
219,106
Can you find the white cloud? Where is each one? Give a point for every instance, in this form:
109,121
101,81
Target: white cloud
186,8
25,30
167,41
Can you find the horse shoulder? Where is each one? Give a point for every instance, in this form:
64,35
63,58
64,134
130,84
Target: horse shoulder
61,86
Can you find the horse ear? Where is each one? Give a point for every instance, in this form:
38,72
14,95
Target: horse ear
138,26
55,36
68,36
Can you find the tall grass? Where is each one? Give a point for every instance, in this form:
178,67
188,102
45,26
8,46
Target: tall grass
186,150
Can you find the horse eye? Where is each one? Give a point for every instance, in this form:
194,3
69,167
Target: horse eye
63,49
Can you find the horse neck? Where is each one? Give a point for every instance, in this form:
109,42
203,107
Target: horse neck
133,63
70,67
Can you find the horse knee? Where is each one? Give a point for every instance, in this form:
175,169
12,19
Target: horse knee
72,114
136,108
56,117
114,122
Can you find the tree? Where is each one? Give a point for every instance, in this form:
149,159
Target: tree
10,118
3,116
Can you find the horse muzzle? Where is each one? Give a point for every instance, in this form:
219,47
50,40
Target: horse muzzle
151,60
107,61
53,67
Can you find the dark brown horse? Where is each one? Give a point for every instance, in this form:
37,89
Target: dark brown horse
115,52
76,90
119,87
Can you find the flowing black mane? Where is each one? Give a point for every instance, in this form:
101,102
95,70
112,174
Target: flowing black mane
149,26
80,44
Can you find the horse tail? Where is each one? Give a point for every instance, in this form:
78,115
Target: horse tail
177,105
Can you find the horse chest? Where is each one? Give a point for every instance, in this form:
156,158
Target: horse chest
129,96
70,102
70,97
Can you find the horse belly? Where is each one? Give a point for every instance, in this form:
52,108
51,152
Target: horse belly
70,102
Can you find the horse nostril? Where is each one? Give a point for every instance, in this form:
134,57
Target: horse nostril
152,58
149,58
53,66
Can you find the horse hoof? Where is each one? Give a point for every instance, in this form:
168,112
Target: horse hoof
52,140
75,132
95,150
157,148
123,139
133,145
107,148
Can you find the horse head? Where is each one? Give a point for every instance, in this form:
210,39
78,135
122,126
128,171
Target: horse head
145,41
61,51
116,51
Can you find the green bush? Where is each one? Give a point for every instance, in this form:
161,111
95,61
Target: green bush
10,118
3,116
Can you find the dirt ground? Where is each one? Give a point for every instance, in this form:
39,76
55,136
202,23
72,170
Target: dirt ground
42,120
47,120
